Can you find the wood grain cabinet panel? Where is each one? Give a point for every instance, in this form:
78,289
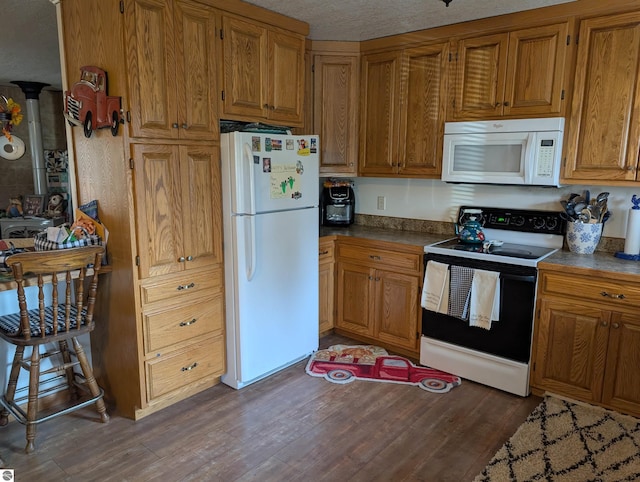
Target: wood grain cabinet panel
588,349
377,295
326,285
335,110
263,73
177,195
513,74
603,135
172,71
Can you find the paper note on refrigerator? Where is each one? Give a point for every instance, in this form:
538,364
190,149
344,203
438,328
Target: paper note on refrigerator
285,181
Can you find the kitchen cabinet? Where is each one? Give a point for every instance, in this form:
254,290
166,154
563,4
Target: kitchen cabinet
263,77
177,197
511,74
403,112
603,137
377,294
588,348
326,285
335,110
171,69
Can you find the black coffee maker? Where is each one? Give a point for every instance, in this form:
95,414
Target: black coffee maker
338,204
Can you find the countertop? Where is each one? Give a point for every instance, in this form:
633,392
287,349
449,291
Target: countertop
412,238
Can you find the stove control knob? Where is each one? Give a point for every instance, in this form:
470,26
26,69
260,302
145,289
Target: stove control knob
517,221
552,223
538,223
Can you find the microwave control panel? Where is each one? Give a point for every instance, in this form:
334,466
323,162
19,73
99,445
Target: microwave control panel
545,156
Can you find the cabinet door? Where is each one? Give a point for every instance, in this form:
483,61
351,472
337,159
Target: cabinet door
622,381
378,113
201,205
480,76
152,63
159,214
245,68
604,132
286,77
354,298
535,73
396,309
422,110
326,296
196,58
571,349
335,108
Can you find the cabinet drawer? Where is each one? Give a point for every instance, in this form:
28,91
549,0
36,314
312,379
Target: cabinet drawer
399,261
181,286
163,328
593,289
182,367
325,252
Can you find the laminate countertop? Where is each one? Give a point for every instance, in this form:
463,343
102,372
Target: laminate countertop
412,238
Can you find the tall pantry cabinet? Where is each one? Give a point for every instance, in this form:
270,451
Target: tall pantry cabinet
159,333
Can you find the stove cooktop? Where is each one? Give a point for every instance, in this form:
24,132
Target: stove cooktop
521,237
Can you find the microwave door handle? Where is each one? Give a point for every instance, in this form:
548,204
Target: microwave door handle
529,158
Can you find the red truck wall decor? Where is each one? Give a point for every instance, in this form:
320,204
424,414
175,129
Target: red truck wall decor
88,104
344,364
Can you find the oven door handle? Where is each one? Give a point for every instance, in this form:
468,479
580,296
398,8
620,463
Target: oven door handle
514,277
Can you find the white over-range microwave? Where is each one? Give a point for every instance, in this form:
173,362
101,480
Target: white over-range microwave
513,151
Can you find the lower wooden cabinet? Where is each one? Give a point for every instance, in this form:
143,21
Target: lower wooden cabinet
326,285
588,348
378,293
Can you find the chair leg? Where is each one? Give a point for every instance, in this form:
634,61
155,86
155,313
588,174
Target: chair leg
32,404
66,358
90,379
13,383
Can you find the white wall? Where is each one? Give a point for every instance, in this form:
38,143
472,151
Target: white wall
438,201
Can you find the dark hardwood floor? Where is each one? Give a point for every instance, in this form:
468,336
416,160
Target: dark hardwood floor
289,426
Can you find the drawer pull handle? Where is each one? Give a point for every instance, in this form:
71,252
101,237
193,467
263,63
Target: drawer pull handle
189,368
186,287
323,252
610,295
372,256
187,323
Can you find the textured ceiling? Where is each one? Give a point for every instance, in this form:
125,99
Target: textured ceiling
29,34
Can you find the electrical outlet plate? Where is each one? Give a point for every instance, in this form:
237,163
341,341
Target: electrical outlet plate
382,203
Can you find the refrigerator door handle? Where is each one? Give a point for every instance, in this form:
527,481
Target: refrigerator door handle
248,165
250,246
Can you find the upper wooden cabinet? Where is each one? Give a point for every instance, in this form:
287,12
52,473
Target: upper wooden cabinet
402,112
171,69
263,73
603,135
335,110
511,74
177,196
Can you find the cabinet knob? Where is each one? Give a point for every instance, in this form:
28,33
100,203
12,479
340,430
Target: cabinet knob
605,323
506,104
174,125
189,258
615,325
265,106
185,126
181,259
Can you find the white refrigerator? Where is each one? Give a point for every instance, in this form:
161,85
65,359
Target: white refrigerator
270,193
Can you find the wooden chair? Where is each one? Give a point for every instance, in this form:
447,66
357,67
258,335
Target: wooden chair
48,328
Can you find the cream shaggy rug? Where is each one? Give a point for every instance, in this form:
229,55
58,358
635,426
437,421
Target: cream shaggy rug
562,441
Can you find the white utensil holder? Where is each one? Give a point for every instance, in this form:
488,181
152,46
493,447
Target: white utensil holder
583,238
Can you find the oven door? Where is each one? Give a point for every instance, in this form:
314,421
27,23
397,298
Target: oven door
510,336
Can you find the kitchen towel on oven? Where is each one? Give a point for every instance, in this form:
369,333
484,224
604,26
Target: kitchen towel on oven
435,289
485,299
459,290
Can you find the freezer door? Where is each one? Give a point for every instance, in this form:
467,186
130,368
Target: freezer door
285,171
276,308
